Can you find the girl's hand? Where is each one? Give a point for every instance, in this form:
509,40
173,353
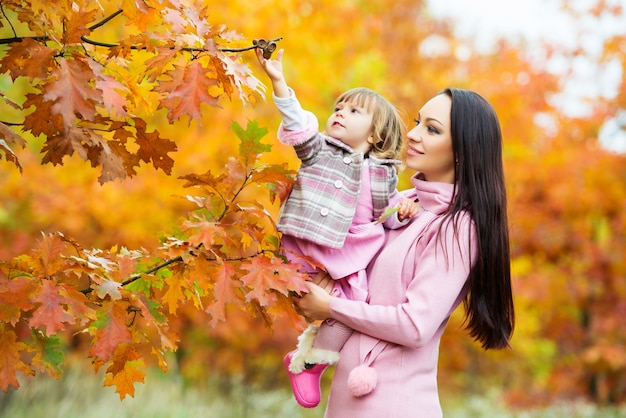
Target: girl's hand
323,280
273,67
408,208
274,70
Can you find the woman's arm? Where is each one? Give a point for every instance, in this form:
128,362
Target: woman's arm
435,289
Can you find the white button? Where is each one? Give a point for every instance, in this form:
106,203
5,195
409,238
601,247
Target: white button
338,184
324,212
347,160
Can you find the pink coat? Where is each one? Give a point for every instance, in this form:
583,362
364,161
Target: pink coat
415,284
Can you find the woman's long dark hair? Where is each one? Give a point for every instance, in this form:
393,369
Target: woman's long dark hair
479,174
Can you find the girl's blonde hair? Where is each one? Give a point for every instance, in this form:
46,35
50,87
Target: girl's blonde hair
388,127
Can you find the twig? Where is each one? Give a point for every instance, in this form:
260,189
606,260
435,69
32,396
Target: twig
83,38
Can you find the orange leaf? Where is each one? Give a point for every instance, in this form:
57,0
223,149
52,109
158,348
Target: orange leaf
28,58
109,331
269,273
72,91
42,121
206,232
154,148
224,292
76,26
51,313
10,361
15,298
175,292
113,101
124,371
187,90
8,136
48,252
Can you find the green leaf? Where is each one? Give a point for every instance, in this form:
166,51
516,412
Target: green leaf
251,146
50,356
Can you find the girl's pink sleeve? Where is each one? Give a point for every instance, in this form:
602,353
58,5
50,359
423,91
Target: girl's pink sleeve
298,137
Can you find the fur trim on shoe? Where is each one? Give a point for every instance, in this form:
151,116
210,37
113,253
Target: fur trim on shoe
306,353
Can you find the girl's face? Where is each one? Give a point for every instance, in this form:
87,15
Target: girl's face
429,150
352,125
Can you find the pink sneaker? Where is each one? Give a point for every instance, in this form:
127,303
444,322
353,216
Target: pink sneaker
306,384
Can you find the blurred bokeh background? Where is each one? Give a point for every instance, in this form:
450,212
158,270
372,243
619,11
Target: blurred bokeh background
554,71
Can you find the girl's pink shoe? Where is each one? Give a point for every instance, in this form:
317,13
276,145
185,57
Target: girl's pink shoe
306,384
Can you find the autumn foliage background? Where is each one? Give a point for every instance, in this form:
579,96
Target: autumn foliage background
137,157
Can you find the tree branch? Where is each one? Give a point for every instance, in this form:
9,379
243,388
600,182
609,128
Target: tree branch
111,45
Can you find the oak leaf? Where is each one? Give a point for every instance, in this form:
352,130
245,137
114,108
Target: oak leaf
186,90
28,58
250,145
76,25
52,314
113,92
206,232
10,359
153,148
224,291
41,121
15,297
175,293
49,357
266,273
5,150
109,331
124,370
72,92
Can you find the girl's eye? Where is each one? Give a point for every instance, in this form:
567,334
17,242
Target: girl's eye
354,110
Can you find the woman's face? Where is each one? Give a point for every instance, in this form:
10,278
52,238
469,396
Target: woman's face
429,149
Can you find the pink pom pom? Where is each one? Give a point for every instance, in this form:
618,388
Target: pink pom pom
362,380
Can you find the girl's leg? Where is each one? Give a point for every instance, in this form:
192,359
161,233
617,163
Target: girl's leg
318,347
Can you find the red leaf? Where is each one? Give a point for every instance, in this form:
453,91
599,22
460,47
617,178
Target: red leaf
52,312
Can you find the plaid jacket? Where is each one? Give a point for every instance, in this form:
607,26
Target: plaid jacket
322,203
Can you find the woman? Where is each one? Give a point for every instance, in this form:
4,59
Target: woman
455,250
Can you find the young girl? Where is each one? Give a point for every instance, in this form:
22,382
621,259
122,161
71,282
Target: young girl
346,180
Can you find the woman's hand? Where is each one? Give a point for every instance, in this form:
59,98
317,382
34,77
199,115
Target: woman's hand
315,304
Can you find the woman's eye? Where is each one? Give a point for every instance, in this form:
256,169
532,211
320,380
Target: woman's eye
417,121
433,130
